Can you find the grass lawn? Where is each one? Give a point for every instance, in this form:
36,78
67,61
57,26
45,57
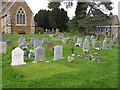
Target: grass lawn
82,73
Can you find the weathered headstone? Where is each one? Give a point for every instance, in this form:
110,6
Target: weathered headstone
57,30
39,55
3,47
79,40
58,51
64,40
32,41
86,45
17,57
21,40
44,41
111,43
9,42
75,38
97,44
92,37
93,42
37,43
3,39
104,45
88,37
50,45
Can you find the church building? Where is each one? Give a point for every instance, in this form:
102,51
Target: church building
16,17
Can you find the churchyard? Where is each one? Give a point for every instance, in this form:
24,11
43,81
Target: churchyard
59,60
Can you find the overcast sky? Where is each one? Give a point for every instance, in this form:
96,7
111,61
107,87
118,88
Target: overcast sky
36,5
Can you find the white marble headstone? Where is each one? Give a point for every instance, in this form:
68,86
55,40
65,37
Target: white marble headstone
17,57
58,51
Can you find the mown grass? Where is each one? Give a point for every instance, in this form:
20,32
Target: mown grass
82,73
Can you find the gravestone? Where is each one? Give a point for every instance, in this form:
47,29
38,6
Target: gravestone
104,45
44,41
60,36
21,40
3,39
32,41
64,40
57,30
92,37
97,44
86,45
50,45
51,35
37,43
22,46
58,51
93,42
111,43
75,38
88,37
3,47
39,55
79,40
17,57
9,42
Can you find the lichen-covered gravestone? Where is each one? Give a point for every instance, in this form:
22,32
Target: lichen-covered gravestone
40,55
37,43
21,40
17,57
3,47
58,51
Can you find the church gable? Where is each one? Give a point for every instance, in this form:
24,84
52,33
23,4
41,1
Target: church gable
21,10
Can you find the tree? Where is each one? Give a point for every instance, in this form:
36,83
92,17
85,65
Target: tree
42,19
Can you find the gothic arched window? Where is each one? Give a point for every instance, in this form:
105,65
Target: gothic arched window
21,18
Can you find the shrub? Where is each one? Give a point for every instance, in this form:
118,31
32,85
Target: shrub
39,29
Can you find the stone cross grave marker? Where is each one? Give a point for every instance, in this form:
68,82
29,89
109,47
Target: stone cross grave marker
17,57
58,51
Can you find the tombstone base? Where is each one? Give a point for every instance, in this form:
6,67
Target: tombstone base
15,64
40,61
58,58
